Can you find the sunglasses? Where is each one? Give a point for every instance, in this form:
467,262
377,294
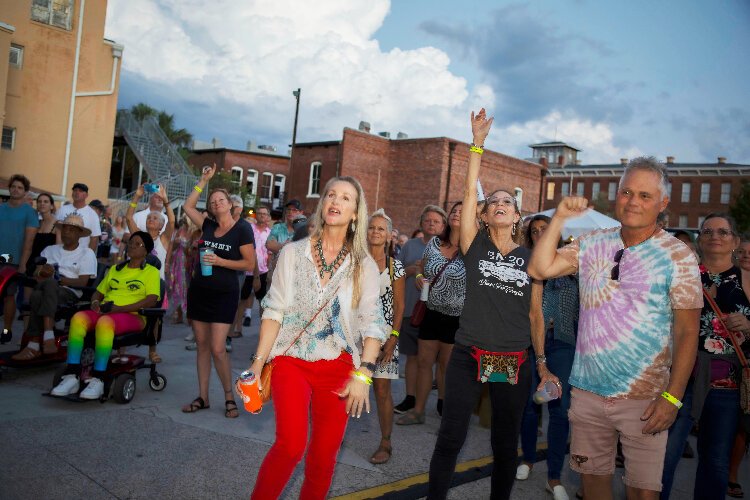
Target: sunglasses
615,276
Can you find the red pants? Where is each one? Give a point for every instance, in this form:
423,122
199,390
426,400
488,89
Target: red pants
296,384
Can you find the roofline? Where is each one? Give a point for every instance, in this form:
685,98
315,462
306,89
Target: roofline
319,143
682,169
555,142
231,150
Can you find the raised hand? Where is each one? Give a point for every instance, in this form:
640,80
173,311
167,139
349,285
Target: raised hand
571,206
208,172
163,193
480,126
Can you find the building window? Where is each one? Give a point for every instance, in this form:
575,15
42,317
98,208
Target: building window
669,190
266,187
9,138
705,192
685,192
595,188
278,187
565,189
550,190
612,191
519,197
252,181
579,189
53,12
726,190
237,175
16,56
313,187
700,220
683,221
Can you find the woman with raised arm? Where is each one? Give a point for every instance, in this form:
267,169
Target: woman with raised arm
501,317
162,240
212,298
323,327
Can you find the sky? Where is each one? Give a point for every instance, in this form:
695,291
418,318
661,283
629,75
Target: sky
614,79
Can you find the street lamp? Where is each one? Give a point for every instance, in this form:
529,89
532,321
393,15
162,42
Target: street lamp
296,94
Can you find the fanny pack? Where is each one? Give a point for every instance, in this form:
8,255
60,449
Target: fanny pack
498,366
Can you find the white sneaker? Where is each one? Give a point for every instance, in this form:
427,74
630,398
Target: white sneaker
68,385
94,389
522,472
558,492
190,337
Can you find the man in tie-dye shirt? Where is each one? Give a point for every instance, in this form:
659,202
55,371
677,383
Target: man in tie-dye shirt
640,293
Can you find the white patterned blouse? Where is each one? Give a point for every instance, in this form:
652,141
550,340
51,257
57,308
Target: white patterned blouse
296,295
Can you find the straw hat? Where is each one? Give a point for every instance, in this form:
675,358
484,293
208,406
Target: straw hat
75,221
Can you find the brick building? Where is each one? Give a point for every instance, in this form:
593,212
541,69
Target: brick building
403,175
696,189
262,171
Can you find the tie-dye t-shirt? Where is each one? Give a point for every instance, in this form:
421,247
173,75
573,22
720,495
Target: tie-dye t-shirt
624,346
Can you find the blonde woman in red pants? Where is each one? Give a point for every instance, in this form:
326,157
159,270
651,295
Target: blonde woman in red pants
323,327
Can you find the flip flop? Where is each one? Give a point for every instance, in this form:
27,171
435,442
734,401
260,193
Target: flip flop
381,455
196,405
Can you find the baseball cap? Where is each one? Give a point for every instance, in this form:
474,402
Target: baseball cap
81,186
97,204
294,204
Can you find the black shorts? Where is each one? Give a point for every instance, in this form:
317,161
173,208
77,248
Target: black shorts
438,326
211,305
247,287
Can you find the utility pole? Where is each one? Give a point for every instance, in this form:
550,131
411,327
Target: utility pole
296,94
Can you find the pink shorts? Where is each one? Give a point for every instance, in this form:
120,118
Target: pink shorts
597,422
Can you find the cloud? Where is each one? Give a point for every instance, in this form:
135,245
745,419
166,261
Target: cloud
535,67
251,55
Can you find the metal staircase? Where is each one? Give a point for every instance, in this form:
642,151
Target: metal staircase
160,159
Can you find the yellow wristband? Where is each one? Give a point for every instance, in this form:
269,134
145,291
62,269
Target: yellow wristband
671,399
134,205
476,149
420,275
362,377
198,189
395,333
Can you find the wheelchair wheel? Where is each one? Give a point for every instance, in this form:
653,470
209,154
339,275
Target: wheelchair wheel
124,388
158,382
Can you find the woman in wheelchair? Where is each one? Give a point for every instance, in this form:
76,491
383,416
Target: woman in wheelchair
125,289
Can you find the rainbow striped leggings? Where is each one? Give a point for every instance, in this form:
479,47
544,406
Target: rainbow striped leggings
105,327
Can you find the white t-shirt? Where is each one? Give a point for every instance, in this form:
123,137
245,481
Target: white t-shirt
90,220
141,216
72,264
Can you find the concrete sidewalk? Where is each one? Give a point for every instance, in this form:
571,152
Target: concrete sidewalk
150,449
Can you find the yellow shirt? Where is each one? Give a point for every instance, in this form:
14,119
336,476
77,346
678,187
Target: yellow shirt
129,285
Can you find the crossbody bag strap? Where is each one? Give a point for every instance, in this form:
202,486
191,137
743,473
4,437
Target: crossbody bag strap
311,320
732,335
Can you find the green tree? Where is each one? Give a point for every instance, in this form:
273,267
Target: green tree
740,208
602,205
180,137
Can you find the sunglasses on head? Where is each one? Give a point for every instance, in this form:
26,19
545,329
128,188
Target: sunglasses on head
615,276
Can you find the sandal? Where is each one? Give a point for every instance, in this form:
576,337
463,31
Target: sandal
196,405
49,346
27,354
411,418
382,454
734,490
236,335
154,357
231,410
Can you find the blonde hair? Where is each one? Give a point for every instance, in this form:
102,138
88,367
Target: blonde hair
356,240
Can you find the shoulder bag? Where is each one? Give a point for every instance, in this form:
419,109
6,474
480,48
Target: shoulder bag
420,308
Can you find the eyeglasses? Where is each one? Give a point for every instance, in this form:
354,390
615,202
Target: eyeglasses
721,233
615,276
495,200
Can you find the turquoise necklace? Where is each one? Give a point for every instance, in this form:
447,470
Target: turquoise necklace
333,266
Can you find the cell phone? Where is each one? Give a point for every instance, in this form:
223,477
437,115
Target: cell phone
151,188
105,307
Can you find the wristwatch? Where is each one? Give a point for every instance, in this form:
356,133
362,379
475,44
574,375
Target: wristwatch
541,359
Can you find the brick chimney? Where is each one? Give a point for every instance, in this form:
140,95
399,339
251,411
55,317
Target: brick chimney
722,159
543,161
561,160
623,161
670,159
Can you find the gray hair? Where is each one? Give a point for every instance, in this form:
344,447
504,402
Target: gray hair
436,209
381,213
161,215
650,164
236,200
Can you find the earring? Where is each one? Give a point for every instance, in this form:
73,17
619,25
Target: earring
513,231
354,226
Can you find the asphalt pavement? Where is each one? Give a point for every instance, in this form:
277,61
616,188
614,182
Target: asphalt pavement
57,449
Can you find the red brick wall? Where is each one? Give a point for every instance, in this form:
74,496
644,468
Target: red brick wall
367,157
302,159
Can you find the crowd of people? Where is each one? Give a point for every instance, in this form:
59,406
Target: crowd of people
631,332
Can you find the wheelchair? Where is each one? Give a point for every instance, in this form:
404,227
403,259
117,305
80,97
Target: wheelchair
120,375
